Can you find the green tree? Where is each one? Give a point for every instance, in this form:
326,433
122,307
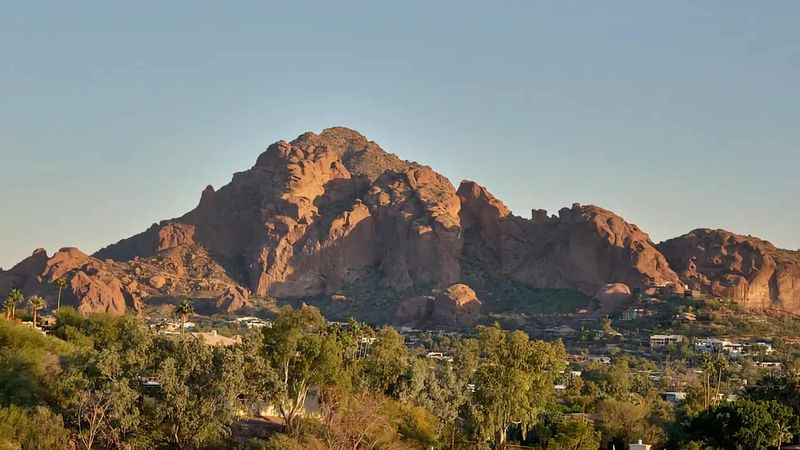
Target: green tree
35,303
104,381
437,389
260,382
558,432
514,384
744,425
101,401
8,307
387,361
185,309
61,284
304,356
627,421
198,395
782,388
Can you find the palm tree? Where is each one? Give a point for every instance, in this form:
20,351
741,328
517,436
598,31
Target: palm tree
36,303
10,305
707,364
185,309
60,283
722,366
784,432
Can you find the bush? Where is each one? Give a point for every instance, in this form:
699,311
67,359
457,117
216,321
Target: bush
38,429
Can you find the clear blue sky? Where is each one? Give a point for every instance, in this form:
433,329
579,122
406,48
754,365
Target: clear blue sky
676,115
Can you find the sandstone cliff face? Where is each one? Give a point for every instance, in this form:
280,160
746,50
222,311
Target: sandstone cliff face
319,213
747,269
583,249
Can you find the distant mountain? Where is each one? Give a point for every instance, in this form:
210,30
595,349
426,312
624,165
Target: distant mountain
333,214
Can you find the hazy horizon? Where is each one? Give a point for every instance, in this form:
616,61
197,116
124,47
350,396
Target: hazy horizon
675,117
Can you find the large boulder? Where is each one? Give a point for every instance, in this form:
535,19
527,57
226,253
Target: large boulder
458,305
157,281
610,299
97,292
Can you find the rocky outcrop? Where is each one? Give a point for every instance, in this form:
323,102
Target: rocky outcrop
746,269
456,306
329,212
157,281
317,214
324,212
116,287
92,285
583,249
610,299
24,275
234,299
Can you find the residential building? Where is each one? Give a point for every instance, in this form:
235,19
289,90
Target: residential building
659,341
673,397
216,340
732,349
634,313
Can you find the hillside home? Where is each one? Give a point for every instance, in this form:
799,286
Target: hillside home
673,397
732,349
659,341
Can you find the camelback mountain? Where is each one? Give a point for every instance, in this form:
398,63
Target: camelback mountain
333,213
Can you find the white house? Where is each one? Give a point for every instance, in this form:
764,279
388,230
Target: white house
665,340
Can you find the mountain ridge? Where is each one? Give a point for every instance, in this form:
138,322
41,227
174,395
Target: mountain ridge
327,211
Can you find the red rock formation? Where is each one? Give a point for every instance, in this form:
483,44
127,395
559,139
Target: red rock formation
92,285
456,306
326,212
583,249
234,299
746,269
24,275
610,299
317,214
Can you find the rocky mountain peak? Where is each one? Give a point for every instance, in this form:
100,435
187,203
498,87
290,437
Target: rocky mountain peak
326,212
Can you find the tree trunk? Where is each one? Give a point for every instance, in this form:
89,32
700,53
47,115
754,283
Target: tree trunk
58,302
501,439
34,318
